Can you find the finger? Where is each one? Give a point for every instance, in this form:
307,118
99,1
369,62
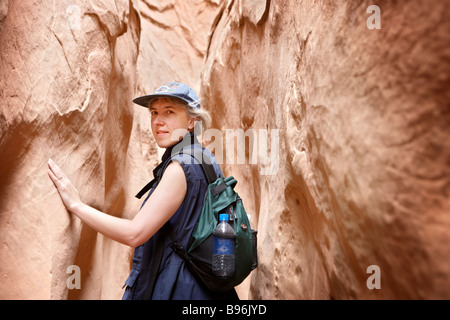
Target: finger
56,180
55,169
53,177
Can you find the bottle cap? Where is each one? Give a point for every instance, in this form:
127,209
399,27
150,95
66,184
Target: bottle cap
223,217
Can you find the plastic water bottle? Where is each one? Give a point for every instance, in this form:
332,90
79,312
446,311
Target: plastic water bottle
223,248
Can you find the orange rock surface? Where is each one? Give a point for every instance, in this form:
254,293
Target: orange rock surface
358,175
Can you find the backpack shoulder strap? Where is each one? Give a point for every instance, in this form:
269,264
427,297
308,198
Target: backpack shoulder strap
144,190
201,158
157,174
206,164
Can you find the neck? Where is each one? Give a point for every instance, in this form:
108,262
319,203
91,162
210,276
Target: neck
188,140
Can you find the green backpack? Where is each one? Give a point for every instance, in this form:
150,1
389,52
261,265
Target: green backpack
219,198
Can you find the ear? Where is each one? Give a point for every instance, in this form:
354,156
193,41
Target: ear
192,123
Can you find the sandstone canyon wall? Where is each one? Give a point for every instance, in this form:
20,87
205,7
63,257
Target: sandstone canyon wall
358,174
364,155
68,74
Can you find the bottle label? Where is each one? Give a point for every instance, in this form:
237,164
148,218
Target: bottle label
223,246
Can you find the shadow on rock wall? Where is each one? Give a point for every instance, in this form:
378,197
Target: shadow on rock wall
358,175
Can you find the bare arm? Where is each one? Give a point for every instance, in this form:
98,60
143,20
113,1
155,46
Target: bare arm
158,209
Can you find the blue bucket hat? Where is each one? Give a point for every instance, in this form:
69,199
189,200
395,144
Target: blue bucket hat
171,90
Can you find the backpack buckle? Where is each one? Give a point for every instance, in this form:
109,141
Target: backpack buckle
176,246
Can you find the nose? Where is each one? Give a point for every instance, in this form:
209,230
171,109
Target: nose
158,120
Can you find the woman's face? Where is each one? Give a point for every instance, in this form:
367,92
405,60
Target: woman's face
170,122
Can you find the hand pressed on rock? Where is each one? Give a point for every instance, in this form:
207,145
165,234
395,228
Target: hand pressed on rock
66,190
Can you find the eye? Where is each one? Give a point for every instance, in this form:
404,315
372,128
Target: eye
153,113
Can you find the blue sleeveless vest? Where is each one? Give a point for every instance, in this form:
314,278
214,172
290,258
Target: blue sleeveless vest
174,281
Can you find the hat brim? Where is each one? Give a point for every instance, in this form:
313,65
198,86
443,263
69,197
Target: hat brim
144,100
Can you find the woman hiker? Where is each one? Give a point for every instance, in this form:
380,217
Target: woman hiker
175,202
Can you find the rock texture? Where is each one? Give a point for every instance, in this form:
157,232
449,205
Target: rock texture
68,75
360,118
364,175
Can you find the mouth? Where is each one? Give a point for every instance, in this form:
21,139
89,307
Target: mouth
161,132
